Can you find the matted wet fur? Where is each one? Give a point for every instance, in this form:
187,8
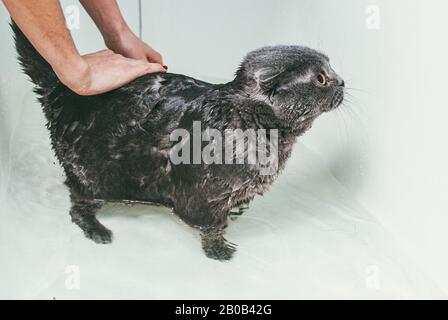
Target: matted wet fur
115,146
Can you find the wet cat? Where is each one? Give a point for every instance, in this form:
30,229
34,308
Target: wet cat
119,145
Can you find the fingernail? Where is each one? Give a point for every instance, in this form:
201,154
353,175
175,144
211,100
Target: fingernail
166,67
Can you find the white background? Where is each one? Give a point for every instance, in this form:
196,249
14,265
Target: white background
385,151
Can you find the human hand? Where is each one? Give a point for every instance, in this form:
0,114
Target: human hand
130,46
104,71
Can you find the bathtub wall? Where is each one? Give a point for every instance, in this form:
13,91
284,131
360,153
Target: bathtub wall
387,145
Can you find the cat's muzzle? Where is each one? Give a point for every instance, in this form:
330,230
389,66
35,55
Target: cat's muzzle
337,99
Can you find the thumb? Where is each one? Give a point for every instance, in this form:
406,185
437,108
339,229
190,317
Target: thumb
156,67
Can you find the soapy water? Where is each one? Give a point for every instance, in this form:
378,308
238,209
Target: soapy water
305,238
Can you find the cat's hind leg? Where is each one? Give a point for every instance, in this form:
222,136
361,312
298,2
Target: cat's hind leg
83,213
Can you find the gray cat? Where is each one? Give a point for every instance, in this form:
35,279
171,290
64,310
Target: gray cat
116,146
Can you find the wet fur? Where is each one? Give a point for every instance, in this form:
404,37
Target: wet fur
115,146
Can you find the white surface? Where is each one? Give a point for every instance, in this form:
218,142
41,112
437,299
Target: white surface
309,236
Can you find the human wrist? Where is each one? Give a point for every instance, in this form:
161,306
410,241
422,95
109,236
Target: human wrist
119,38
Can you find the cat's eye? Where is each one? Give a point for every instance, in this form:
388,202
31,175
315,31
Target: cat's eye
322,79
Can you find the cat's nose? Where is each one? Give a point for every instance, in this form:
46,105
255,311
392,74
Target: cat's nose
339,81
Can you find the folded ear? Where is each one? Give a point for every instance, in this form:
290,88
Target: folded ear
267,78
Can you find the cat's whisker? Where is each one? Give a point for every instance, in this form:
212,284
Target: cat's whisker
344,132
355,89
355,113
355,105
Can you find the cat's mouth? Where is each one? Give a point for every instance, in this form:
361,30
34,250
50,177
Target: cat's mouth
336,101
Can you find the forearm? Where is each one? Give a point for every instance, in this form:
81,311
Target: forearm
43,23
108,18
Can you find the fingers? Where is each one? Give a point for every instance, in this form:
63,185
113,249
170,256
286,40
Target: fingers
108,71
138,68
155,67
154,57
158,60
146,67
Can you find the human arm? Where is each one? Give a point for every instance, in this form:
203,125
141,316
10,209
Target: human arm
43,23
116,32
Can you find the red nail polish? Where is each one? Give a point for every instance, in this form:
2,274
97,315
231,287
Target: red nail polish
166,67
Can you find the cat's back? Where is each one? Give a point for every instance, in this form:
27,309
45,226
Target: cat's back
71,116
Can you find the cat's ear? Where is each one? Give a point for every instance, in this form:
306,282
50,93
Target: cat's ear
267,79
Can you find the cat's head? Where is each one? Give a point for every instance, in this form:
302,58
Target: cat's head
297,82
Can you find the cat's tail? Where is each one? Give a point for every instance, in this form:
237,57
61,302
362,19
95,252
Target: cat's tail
33,64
